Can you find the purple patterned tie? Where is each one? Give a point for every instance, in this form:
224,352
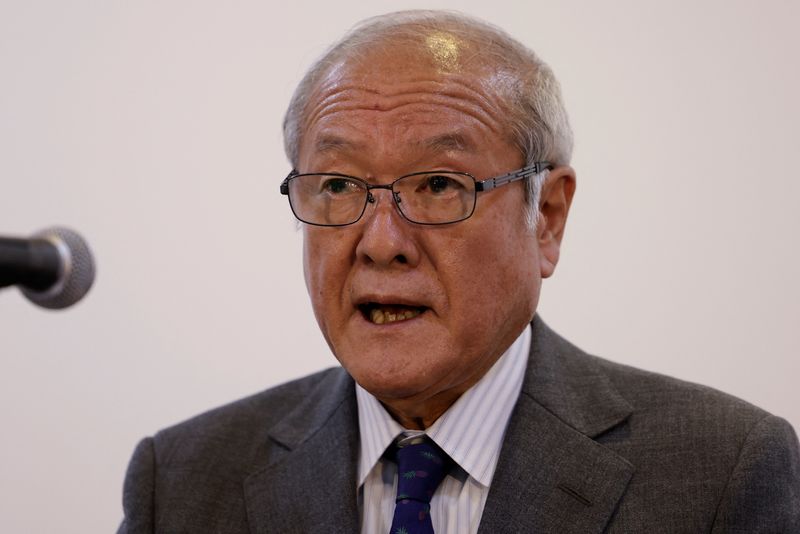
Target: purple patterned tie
421,466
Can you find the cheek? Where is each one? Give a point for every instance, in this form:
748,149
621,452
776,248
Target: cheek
310,254
328,261
324,267
493,282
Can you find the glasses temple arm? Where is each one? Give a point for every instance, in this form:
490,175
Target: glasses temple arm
525,172
285,182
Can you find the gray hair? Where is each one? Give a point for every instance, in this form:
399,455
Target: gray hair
537,121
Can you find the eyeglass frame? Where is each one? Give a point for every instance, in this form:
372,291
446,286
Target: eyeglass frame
480,185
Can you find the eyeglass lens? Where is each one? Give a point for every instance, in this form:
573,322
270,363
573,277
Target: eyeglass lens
427,198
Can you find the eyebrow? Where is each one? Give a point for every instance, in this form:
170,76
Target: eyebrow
334,143
454,141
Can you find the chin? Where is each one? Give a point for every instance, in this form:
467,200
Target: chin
396,390
386,386
414,400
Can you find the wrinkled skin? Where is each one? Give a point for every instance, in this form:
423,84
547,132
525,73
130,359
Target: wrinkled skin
396,113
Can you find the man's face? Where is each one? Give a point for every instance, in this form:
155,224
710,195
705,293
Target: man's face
475,282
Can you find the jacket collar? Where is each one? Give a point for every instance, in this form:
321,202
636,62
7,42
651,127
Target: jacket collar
307,479
570,384
551,477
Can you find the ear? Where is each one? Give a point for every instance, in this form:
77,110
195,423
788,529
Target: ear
554,203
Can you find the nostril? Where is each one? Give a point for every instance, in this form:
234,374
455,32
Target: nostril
401,258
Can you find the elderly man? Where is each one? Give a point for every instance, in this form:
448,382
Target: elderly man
431,171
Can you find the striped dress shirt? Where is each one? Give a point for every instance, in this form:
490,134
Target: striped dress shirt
471,432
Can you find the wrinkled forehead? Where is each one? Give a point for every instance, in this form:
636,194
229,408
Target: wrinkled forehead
433,62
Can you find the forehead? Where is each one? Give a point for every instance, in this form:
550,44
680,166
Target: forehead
434,95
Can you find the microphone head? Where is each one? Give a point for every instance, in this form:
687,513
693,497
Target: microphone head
76,274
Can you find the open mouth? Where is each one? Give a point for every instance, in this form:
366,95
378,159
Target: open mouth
378,313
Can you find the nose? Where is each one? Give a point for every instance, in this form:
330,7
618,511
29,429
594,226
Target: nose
387,239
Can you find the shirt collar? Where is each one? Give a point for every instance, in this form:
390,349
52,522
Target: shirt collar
471,431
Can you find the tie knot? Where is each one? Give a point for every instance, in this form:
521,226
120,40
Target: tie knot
421,467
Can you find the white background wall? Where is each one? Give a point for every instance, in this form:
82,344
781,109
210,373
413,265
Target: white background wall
153,127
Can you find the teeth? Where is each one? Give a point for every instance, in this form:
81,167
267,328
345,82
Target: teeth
379,316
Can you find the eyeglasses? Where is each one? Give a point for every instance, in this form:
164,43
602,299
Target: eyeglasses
430,197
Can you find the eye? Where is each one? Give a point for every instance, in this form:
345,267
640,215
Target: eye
339,186
439,183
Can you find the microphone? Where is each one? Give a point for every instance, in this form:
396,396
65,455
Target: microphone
53,268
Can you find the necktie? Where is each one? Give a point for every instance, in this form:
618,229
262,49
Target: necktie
421,467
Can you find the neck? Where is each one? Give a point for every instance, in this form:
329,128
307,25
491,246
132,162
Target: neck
415,415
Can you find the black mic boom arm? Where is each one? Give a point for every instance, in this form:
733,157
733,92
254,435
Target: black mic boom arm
33,263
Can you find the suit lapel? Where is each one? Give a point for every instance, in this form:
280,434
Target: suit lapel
552,476
308,481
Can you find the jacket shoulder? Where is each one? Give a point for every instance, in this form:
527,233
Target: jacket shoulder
739,463
190,477
233,432
668,399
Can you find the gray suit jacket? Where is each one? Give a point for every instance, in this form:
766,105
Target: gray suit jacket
592,446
